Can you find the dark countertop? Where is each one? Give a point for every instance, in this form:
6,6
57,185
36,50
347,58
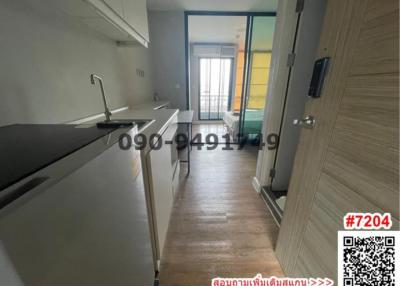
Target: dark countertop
27,148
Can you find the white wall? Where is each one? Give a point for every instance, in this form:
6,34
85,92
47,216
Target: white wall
167,46
139,89
46,58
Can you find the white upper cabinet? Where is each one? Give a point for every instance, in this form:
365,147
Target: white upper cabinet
120,20
135,13
116,5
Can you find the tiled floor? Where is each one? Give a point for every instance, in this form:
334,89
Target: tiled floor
219,225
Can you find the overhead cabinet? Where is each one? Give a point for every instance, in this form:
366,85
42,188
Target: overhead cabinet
135,14
120,20
116,5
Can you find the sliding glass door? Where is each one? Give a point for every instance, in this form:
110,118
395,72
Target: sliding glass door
258,65
228,68
215,87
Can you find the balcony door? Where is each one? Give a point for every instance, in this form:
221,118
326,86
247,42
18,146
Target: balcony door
215,87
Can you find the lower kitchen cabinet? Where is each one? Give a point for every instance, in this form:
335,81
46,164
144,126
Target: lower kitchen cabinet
89,228
163,175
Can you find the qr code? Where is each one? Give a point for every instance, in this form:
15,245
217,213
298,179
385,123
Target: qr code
368,258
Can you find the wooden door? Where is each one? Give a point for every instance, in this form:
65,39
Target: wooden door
349,161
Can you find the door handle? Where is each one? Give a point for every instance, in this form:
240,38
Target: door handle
307,122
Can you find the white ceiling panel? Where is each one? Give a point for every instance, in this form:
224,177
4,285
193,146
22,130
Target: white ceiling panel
217,29
214,5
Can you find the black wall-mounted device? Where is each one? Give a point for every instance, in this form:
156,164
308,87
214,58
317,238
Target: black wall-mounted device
318,76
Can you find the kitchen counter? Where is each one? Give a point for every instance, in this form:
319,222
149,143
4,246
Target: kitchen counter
69,147
151,105
50,154
67,155
27,148
158,173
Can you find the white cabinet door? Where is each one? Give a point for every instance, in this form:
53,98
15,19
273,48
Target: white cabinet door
160,172
116,5
90,228
120,20
135,14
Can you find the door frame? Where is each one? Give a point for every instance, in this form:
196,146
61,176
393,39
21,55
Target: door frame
283,43
305,48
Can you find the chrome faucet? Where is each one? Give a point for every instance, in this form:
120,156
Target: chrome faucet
107,112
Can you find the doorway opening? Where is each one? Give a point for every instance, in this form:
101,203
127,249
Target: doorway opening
228,60
215,90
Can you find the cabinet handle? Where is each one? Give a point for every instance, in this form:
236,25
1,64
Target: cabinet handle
21,190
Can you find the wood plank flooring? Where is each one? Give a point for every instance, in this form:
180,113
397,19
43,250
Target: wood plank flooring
210,128
219,224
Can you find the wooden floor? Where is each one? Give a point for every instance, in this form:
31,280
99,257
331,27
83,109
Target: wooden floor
219,225
210,128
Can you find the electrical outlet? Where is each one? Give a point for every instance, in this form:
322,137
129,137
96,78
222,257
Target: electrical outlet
140,73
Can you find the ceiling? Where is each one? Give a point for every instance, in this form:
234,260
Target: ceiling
214,5
231,29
